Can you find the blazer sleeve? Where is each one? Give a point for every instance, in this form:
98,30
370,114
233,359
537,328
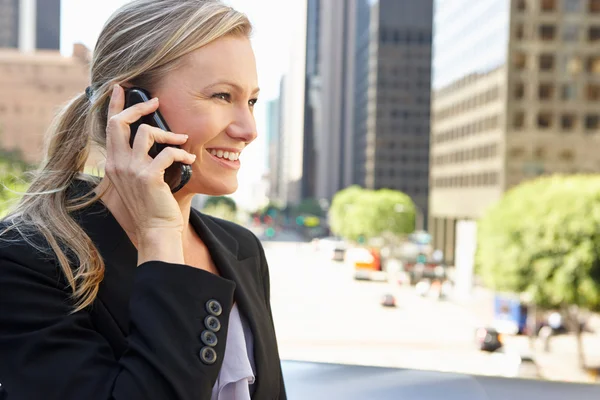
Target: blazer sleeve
264,267
48,352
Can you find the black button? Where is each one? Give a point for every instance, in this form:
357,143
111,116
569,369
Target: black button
209,338
214,307
212,323
208,355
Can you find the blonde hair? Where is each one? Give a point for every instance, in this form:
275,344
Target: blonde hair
139,44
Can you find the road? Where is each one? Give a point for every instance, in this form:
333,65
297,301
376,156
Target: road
322,314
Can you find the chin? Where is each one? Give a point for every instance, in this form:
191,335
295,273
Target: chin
213,188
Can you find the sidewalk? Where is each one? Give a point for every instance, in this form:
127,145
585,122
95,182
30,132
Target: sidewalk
561,362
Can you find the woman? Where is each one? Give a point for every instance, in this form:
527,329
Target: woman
116,288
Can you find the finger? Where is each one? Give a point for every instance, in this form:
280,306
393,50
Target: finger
168,156
118,131
147,135
117,101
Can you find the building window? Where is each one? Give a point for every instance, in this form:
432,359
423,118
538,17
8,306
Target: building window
539,153
544,120
520,60
520,31
594,33
546,91
592,122
519,90
516,152
593,91
572,5
546,62
567,122
566,155
570,33
548,5
594,6
547,32
521,5
519,119
593,65
569,91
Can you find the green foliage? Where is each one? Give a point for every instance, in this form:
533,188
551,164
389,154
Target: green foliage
12,183
543,239
357,212
309,207
221,210
220,200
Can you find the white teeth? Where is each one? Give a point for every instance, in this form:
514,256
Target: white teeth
228,155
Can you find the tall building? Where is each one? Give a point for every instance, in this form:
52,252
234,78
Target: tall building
273,147
367,95
33,87
395,145
292,98
30,24
516,95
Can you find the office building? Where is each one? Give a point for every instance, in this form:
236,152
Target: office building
367,96
30,24
34,86
395,148
516,94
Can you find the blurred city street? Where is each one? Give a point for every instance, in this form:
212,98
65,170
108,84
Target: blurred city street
322,314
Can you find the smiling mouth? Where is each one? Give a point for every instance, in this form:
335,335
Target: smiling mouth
224,154
225,158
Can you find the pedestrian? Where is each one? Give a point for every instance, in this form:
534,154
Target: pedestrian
114,287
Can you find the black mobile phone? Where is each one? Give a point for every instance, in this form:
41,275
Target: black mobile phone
178,174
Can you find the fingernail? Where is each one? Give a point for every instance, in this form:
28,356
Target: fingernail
115,89
154,100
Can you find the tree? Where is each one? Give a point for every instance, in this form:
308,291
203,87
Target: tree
220,200
309,207
221,210
361,213
12,183
543,239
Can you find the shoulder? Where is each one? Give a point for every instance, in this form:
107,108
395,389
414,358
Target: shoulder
26,248
248,243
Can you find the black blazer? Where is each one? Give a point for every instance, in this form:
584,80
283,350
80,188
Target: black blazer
145,336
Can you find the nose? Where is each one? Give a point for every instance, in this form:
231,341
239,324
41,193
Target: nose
243,127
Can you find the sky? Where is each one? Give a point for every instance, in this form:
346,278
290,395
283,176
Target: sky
82,21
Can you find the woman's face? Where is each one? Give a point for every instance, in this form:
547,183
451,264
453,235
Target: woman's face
211,97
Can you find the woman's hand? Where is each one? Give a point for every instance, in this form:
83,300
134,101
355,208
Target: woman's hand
139,179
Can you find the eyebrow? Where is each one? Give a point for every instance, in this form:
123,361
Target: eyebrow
232,84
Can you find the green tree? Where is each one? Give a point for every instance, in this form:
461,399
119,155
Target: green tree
309,206
221,210
361,213
543,239
220,200
12,179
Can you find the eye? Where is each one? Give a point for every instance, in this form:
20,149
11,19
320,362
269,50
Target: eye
222,96
252,102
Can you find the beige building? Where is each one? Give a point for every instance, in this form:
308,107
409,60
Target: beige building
516,96
33,86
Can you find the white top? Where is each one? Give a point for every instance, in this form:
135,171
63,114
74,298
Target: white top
237,372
